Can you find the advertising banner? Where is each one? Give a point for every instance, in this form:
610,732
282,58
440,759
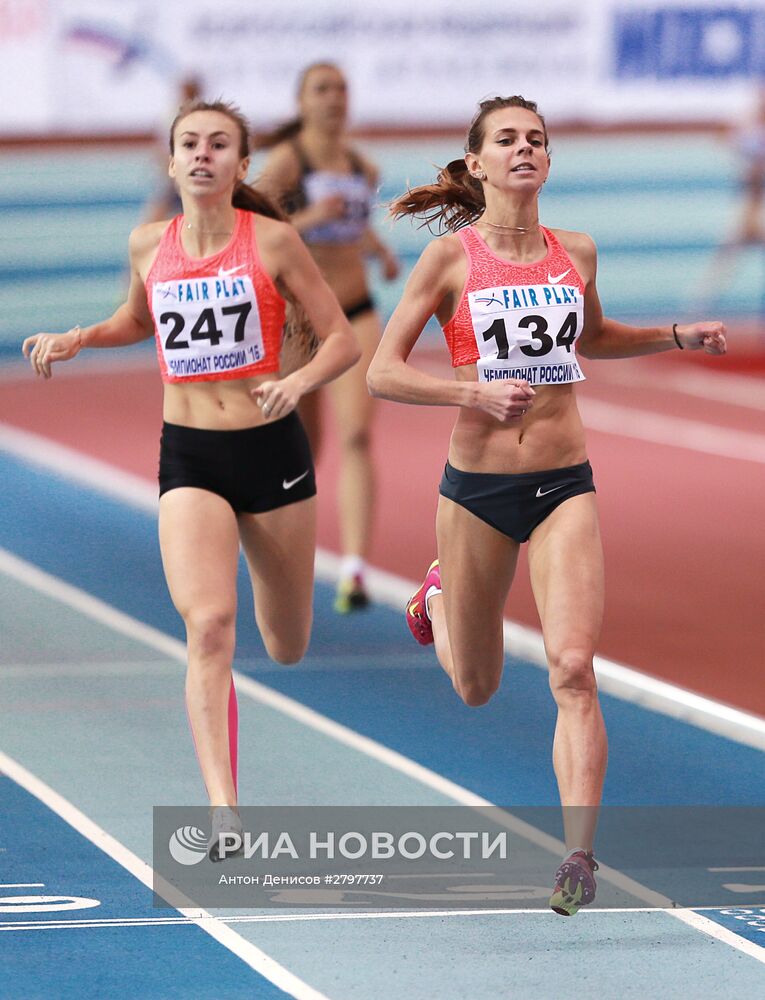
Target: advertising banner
115,65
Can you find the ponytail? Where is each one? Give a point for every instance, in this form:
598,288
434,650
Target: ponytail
282,133
249,199
299,342
454,200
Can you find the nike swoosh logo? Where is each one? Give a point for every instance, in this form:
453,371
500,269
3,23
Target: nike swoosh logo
543,493
224,272
557,278
287,484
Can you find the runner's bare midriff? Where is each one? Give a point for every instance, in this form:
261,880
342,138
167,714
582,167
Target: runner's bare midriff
549,436
224,405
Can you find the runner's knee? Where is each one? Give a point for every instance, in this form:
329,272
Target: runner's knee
572,674
286,648
476,691
210,631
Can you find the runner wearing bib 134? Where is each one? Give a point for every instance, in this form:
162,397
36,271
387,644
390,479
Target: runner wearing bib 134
514,299
517,321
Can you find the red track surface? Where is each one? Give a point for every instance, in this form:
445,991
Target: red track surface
684,531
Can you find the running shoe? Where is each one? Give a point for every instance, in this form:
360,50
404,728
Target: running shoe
417,617
351,595
574,883
226,836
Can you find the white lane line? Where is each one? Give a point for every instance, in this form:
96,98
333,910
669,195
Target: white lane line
739,391
675,432
74,466
740,868
714,930
175,649
614,678
277,918
245,950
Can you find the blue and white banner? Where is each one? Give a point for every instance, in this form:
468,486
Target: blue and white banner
114,65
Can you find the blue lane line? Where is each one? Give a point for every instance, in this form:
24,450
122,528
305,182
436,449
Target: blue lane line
500,751
46,203
25,273
154,961
34,202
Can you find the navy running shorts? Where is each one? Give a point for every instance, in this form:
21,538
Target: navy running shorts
515,504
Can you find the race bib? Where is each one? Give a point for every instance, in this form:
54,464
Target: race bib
208,326
527,332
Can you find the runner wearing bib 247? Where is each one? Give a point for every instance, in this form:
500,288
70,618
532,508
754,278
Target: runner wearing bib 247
213,286
216,318
514,299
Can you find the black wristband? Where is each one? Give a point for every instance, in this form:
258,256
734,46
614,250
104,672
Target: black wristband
674,334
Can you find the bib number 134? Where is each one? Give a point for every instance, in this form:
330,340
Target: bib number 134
537,326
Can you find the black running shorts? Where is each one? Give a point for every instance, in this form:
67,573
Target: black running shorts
255,469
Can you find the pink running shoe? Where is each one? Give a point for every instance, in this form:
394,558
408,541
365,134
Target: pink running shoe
416,610
574,883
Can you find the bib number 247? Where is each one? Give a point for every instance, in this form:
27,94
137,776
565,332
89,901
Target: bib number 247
206,326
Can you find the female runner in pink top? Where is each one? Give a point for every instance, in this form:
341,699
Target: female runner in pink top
514,299
212,286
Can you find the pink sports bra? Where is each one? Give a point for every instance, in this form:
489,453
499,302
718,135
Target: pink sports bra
518,320
218,317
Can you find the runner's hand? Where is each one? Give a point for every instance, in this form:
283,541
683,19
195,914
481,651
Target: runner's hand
505,400
277,397
707,336
327,209
43,349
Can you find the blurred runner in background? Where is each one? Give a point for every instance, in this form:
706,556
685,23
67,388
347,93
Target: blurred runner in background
328,188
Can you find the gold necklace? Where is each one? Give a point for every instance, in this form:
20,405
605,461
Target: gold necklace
510,229
208,232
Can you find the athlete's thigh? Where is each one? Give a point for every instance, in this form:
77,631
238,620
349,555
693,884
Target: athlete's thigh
566,568
477,567
351,402
199,541
280,548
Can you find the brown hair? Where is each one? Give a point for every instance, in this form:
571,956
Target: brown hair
299,341
455,198
292,127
